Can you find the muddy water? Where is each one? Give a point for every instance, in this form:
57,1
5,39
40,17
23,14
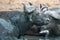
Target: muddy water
37,38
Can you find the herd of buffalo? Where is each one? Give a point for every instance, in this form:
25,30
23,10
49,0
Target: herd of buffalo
17,23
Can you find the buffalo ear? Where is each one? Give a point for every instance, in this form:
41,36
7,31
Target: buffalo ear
28,9
40,5
30,3
43,7
24,7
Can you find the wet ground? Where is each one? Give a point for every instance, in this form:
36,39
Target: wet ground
37,38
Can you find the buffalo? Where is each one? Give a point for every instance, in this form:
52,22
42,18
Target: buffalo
54,24
17,23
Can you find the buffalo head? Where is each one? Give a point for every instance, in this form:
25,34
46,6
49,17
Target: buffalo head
36,15
54,16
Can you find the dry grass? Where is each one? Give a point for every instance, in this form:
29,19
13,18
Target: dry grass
6,5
